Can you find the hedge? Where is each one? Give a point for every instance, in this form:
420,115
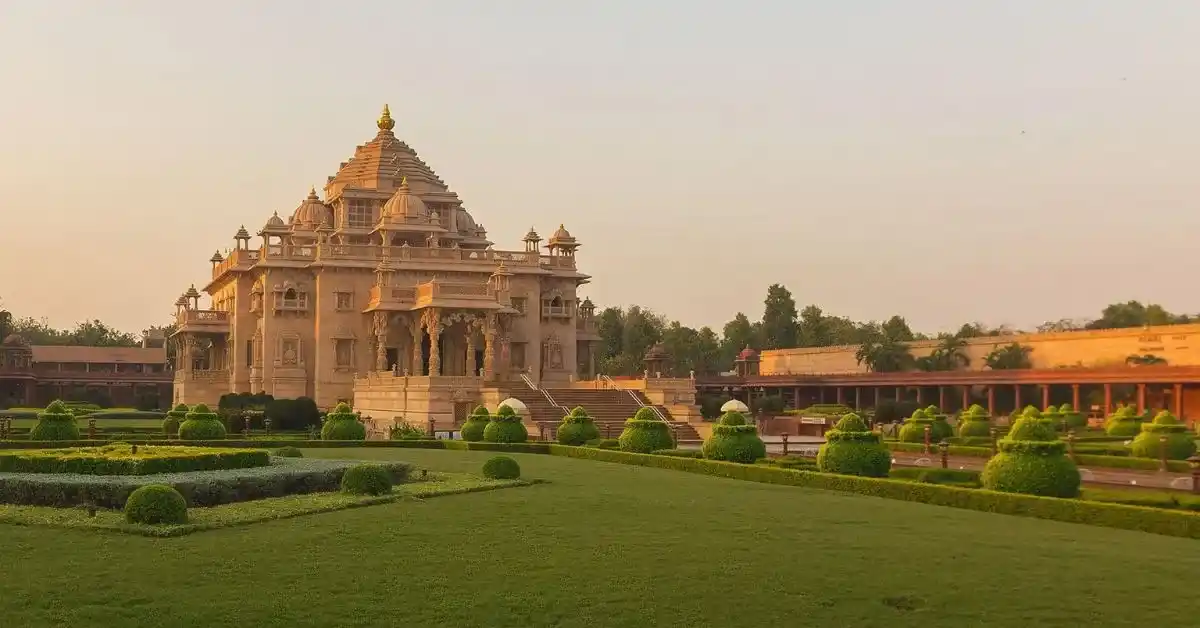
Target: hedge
1156,521
1083,460
121,460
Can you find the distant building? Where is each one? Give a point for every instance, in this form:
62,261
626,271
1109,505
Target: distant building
35,375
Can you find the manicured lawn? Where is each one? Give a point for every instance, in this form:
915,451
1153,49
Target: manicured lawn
607,545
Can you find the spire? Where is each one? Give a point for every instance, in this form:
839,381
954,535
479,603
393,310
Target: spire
385,122
404,182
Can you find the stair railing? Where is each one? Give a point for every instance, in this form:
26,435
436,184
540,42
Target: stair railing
528,381
545,393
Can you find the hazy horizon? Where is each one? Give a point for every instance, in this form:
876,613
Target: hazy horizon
1009,163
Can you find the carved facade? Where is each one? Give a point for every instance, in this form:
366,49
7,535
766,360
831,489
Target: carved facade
386,279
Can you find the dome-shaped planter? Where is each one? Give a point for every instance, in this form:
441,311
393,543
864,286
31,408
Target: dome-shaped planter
577,428
734,441
174,418
974,421
1124,422
200,423
505,427
55,423
343,424
1032,461
851,448
1053,417
913,429
1071,417
1180,444
472,429
645,433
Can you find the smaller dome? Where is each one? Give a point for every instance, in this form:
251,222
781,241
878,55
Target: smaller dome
733,405
311,212
587,304
182,301
15,340
517,406
274,223
241,234
404,203
562,233
747,354
192,293
216,258
466,223
532,236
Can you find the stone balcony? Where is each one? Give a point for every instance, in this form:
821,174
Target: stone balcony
202,321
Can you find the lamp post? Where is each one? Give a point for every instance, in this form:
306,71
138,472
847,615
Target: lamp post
1162,453
944,448
928,433
1194,461
1071,446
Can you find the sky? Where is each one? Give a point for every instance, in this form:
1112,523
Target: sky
1009,162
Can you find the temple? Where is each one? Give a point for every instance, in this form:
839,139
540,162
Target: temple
385,291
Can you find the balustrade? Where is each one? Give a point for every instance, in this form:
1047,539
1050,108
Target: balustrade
203,317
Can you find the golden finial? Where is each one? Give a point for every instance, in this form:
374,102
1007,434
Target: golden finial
386,123
312,191
404,181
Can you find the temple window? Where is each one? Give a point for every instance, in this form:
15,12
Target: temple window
517,355
291,299
519,304
358,214
343,349
344,300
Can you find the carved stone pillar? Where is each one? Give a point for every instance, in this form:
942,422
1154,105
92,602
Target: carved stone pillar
189,352
434,324
591,349
472,368
418,366
381,325
489,347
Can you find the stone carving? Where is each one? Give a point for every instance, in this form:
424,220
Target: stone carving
553,356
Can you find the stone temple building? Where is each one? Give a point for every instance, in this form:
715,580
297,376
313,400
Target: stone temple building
383,290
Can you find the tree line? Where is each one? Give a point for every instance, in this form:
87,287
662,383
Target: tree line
626,334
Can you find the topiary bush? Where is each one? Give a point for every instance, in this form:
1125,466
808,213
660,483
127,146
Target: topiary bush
734,441
851,448
174,418
644,433
56,422
505,427
940,428
501,468
1124,422
367,479
577,428
1180,442
1032,461
1072,418
343,424
289,452
1053,417
156,504
201,424
913,429
974,422
472,429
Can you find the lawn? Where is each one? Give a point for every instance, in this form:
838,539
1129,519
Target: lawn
607,545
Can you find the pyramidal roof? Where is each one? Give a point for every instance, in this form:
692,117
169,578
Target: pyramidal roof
383,162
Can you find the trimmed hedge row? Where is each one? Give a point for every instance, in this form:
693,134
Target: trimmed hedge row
120,460
1084,460
1156,521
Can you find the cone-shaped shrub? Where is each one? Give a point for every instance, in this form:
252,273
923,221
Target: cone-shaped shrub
577,428
734,441
472,428
974,421
851,448
1124,422
1180,443
1032,461
505,427
200,423
55,423
644,433
913,430
343,424
1072,417
173,419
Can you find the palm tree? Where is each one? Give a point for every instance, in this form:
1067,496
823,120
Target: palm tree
884,355
1012,356
950,355
1148,359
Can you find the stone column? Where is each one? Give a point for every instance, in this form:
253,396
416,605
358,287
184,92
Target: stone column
991,397
472,368
966,397
434,324
591,349
858,398
418,366
381,324
942,398
1107,399
1075,398
1045,396
876,396
1017,397
489,347
1177,400
1141,398
841,396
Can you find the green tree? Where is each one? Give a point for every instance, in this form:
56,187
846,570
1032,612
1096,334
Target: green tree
949,355
1010,356
882,354
896,328
1135,314
779,321
738,334
625,336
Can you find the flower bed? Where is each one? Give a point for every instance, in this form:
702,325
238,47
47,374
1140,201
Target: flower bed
125,459
284,476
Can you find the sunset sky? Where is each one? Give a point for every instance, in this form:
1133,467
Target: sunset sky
1004,162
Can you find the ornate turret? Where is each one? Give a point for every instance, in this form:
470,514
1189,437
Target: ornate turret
403,204
216,259
311,213
531,240
562,242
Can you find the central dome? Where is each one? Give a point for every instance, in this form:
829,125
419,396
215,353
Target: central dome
404,203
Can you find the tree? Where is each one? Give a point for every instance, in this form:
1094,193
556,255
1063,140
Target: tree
737,335
949,355
883,354
896,328
779,329
1008,357
625,336
1148,359
691,350
1135,314
1063,324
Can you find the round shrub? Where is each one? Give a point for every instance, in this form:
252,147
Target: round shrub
974,421
367,479
1071,418
734,441
173,419
913,430
201,424
505,427
577,428
289,452
1180,443
472,429
501,468
56,422
1033,462
156,504
1124,422
851,448
343,424
645,433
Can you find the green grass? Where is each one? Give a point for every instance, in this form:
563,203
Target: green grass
606,545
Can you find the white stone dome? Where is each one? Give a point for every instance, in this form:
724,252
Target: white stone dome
733,405
517,406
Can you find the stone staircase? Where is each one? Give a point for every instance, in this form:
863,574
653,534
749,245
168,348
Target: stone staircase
608,408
